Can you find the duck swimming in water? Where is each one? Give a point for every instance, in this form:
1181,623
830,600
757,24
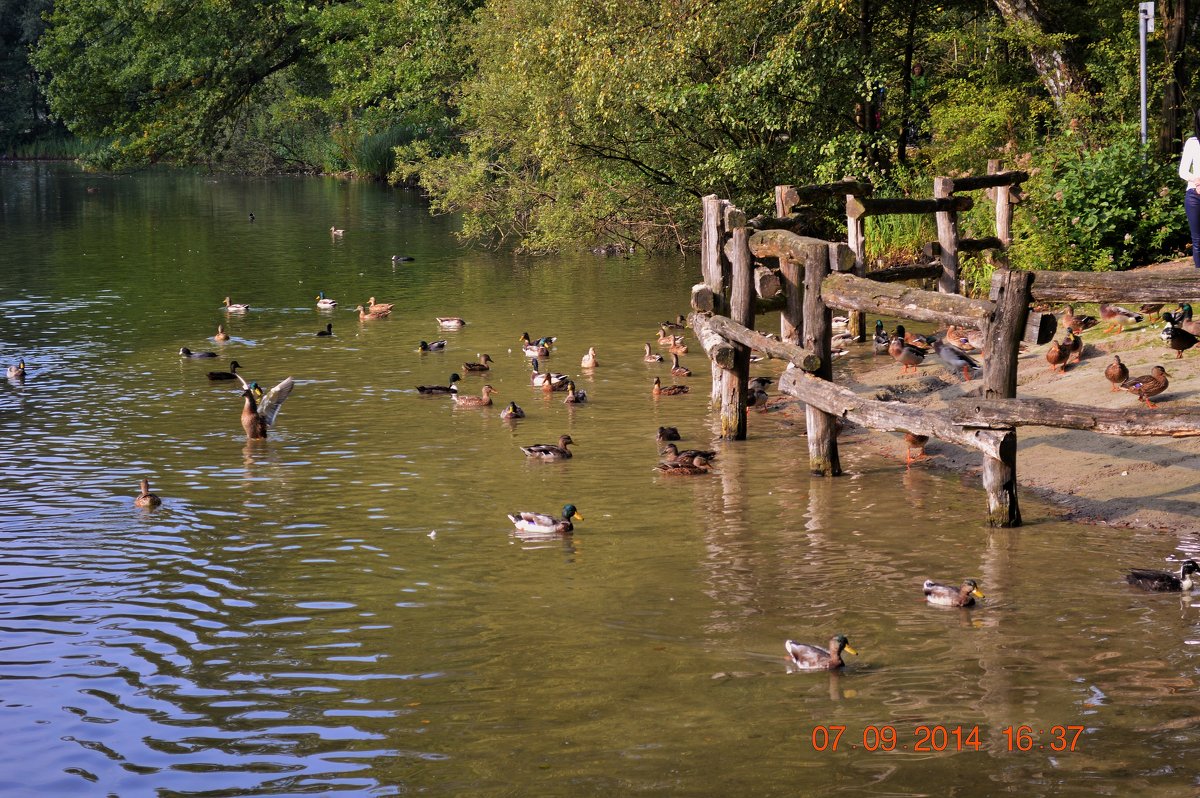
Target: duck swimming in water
258,417
145,498
947,596
808,657
541,522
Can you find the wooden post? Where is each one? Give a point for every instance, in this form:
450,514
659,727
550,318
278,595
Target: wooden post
1004,214
818,327
1006,325
856,237
713,272
791,321
947,229
785,199
741,301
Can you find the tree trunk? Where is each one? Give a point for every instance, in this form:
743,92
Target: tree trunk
1170,136
1061,75
906,109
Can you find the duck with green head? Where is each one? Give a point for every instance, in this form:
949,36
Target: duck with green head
542,522
807,657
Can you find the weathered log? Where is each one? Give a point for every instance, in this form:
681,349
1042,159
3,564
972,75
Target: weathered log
818,328
1132,422
1006,323
977,182
890,299
1002,195
702,298
858,207
947,229
979,244
766,282
718,349
915,271
1175,285
713,269
801,358
886,416
791,321
1040,328
785,244
786,198
741,310
842,187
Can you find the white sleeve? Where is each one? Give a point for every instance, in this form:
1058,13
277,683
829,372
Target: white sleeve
1189,163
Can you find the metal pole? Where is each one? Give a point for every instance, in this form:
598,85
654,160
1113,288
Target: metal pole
1145,24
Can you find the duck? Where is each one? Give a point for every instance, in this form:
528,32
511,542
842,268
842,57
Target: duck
1077,324
1184,319
373,306
665,338
364,314
550,451
432,346
185,352
671,453
542,522
574,397
228,375
678,370
1116,316
1178,338
1151,309
680,323
1075,347
1116,373
235,307
440,389
484,364
588,361
947,596
667,390
1148,385
906,354
221,334
914,441
965,339
402,258
251,216
683,468
1164,581
1058,353
759,383
258,417
667,434
451,322
955,358
551,385
325,302
882,339
651,357
336,232
678,347
145,498
756,396
532,349
808,657
512,411
539,379
17,372
484,400
328,331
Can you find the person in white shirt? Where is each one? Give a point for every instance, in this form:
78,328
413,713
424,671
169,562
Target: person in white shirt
1189,171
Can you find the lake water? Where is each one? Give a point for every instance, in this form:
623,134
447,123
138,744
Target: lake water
343,608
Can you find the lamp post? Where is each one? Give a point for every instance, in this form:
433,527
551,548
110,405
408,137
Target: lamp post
1145,25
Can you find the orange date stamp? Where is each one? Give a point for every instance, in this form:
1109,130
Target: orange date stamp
937,738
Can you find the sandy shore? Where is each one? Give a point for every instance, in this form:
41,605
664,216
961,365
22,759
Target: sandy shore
1094,478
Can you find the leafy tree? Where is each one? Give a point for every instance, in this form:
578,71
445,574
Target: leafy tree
23,113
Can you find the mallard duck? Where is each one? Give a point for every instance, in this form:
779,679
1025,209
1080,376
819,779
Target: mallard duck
373,306
512,411
955,358
1116,373
808,657
257,417
257,391
532,349
667,434
1164,581
440,389
145,498
221,334
228,375
652,357
548,451
1058,353
756,397
882,339
324,302
678,370
484,364
574,397
328,331
947,596
1184,319
1151,309
906,354
759,383
402,258
1148,385
588,361
678,347
672,453
17,372
451,322
251,217
1116,316
680,323
683,468
965,339
234,307
1075,347
667,390
484,400
364,314
432,346
1178,338
540,522
665,337
336,232
1077,324
914,441
185,352
539,379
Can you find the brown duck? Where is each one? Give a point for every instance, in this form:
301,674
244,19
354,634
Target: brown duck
1148,385
1116,373
667,390
1058,354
